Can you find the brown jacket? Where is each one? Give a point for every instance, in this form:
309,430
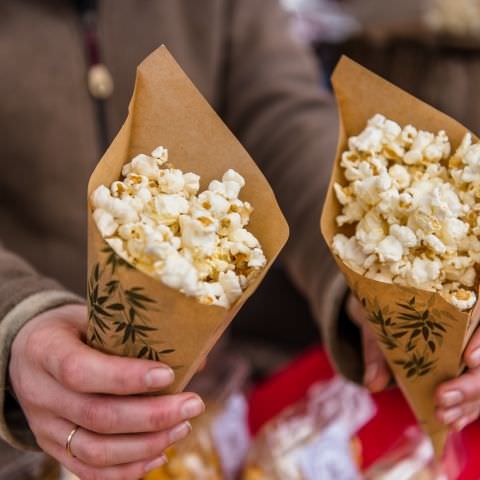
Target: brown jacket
240,55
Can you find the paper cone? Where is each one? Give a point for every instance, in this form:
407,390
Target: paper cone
130,313
440,331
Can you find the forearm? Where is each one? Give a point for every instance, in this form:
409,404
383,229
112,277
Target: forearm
288,122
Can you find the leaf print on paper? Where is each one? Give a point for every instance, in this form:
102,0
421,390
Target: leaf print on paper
121,313
421,326
414,330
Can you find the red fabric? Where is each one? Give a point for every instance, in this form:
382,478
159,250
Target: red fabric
394,416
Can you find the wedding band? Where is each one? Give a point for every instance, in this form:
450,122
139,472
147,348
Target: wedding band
68,445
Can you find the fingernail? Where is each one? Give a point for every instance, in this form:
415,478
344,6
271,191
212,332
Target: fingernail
450,399
461,424
179,432
371,373
192,408
157,463
451,415
475,358
159,377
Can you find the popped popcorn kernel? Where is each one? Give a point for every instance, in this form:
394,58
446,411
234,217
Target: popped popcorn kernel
155,218
414,206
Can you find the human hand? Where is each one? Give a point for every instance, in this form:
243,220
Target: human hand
377,373
62,383
458,401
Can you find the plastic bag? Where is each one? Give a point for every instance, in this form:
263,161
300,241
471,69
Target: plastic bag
314,438
413,459
217,447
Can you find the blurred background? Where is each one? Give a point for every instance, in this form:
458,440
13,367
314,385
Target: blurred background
431,48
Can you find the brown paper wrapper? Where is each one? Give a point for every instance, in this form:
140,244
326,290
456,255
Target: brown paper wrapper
130,313
422,336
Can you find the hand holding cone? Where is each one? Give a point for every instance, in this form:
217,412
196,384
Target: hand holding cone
421,334
132,313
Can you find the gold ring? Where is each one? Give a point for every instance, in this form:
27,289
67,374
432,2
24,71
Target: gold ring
68,445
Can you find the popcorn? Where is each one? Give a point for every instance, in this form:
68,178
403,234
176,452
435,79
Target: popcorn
101,198
105,222
215,203
344,196
156,219
230,284
350,251
370,231
368,191
178,273
424,272
404,235
414,208
122,210
359,171
353,212
168,208
171,180
433,242
370,140
257,258
232,176
400,176
161,154
417,150
459,297
389,250
245,237
143,165
191,182
134,181
198,235
453,230
213,294
408,135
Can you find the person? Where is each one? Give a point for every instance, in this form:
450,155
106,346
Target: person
77,404
60,60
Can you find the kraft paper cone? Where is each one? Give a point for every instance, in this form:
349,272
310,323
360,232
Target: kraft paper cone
130,313
422,336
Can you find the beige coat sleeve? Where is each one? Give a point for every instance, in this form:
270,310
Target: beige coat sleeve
277,106
24,293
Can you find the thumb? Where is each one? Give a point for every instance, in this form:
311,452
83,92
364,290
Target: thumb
377,373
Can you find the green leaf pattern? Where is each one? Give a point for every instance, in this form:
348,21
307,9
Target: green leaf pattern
120,312
416,331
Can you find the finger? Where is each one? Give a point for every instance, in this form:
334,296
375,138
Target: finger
129,471
377,373
76,315
450,416
466,420
114,415
472,352
464,389
110,450
83,369
202,366
356,311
